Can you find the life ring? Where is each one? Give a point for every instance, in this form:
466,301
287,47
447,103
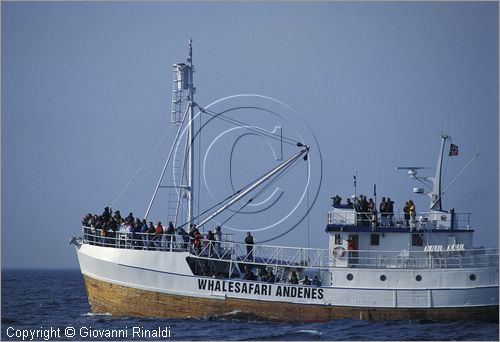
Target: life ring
339,252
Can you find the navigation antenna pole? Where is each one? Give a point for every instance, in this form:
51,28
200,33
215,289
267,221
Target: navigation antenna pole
354,181
436,181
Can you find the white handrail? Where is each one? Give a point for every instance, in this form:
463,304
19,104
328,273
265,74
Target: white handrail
430,257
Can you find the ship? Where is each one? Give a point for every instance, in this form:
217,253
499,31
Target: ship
378,266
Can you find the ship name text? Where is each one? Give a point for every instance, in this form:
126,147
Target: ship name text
305,292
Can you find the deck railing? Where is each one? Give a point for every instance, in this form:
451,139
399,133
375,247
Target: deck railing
421,220
278,256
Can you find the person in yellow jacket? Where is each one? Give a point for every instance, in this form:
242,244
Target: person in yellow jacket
412,211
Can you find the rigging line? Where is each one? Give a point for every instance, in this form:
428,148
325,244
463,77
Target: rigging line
199,171
273,179
215,115
241,123
264,188
141,167
177,135
308,223
221,202
207,210
261,191
462,171
182,175
232,195
312,204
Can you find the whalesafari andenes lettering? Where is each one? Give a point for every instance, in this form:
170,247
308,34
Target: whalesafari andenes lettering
260,289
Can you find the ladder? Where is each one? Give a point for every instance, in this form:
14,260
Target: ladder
175,193
178,100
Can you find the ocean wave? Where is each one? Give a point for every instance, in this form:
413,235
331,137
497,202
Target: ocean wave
92,314
311,332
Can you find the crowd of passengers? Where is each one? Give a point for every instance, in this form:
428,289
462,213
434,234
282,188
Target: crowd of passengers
107,228
367,214
266,276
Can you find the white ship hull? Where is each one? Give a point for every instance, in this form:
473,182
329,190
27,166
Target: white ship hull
439,295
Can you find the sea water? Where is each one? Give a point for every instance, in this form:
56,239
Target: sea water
50,305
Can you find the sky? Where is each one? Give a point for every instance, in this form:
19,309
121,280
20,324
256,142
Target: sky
86,96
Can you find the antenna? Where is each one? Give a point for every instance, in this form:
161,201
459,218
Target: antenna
432,183
354,181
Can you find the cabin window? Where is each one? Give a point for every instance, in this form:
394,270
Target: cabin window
383,277
418,277
472,277
350,276
416,240
375,239
338,239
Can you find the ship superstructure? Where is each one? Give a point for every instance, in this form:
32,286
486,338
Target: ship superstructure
391,267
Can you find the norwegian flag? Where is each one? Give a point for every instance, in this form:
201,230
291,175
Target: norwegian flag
453,150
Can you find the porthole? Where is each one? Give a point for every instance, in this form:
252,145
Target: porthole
418,277
472,277
383,277
350,276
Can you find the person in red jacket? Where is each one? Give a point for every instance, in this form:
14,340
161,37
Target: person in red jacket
158,235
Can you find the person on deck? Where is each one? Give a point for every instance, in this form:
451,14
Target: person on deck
151,235
383,212
117,216
249,243
352,248
144,235
185,238
249,275
293,278
271,278
106,215
316,281
158,235
218,240
406,211
372,212
170,235
130,218
197,242
211,243
389,209
412,212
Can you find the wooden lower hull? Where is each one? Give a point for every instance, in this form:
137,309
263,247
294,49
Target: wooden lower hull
105,297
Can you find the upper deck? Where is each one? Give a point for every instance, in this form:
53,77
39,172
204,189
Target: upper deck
343,217
297,258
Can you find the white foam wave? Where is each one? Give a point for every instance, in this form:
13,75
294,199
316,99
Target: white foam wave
96,314
312,332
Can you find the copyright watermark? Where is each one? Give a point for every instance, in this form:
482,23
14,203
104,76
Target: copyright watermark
51,333
244,137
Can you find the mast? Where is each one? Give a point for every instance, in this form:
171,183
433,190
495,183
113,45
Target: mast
190,133
436,182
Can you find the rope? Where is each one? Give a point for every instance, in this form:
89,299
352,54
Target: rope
264,188
238,123
142,166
